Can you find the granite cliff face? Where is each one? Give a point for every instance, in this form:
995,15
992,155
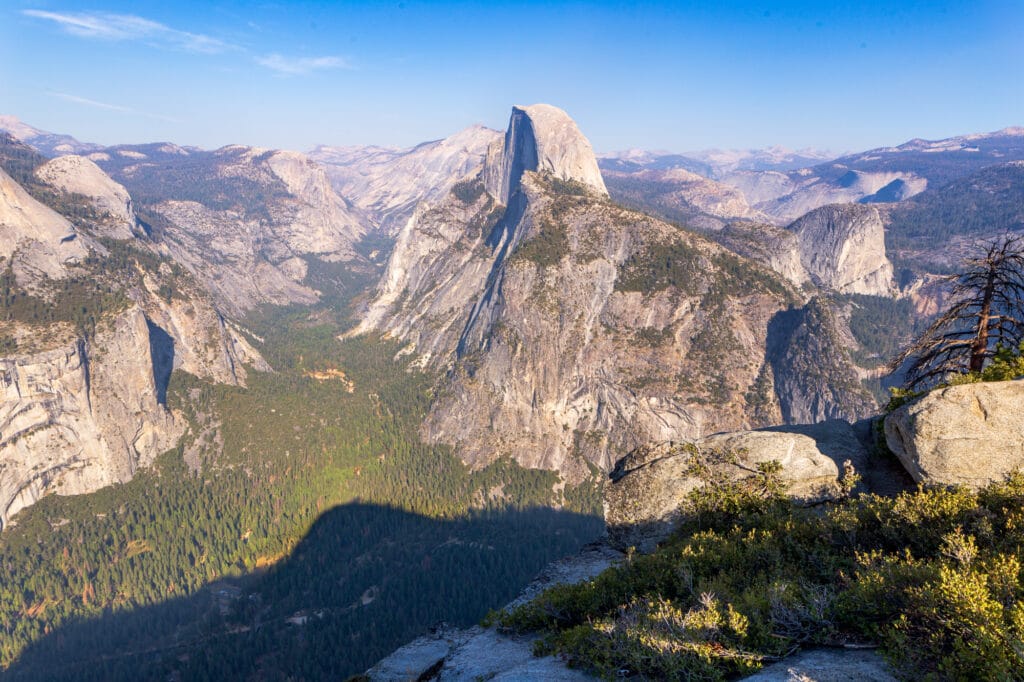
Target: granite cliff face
79,175
543,139
83,415
842,248
83,405
564,324
811,370
36,242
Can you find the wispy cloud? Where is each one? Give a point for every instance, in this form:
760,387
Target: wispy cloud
107,26
294,66
85,101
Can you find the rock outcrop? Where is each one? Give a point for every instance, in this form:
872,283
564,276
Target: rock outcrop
35,241
842,248
84,415
543,139
79,175
969,435
651,487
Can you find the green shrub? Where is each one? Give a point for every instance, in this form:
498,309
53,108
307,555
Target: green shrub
933,577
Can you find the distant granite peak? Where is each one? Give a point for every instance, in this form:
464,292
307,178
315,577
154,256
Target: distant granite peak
541,138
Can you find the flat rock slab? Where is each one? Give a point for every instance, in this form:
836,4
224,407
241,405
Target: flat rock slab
828,665
419,659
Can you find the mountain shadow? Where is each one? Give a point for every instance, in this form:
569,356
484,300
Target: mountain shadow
363,581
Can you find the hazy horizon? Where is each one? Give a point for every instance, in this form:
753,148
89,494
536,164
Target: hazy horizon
677,77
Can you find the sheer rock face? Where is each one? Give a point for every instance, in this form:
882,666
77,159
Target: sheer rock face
968,435
78,414
651,486
82,416
544,139
35,240
548,352
79,175
842,248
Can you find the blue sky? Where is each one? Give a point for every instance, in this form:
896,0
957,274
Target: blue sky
677,76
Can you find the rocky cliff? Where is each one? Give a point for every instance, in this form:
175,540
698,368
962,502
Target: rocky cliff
244,221
91,330
842,248
78,175
388,184
83,415
564,324
811,369
36,242
540,138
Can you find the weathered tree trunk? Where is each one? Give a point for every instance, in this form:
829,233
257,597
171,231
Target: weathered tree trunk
979,349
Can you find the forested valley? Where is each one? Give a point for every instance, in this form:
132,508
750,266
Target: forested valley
301,530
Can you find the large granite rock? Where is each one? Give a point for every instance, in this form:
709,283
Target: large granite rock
82,416
651,487
961,435
35,241
540,138
78,175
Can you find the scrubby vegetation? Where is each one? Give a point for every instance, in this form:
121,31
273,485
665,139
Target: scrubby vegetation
932,577
546,247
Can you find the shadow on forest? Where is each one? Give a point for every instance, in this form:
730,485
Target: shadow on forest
364,580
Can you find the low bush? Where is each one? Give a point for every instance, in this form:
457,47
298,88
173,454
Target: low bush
932,577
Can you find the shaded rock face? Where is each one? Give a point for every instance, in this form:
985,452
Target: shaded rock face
814,378
842,248
80,417
78,175
35,240
969,435
650,487
540,138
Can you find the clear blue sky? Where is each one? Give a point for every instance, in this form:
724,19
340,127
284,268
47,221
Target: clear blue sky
677,76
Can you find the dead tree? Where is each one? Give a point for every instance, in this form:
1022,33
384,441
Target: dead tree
987,312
